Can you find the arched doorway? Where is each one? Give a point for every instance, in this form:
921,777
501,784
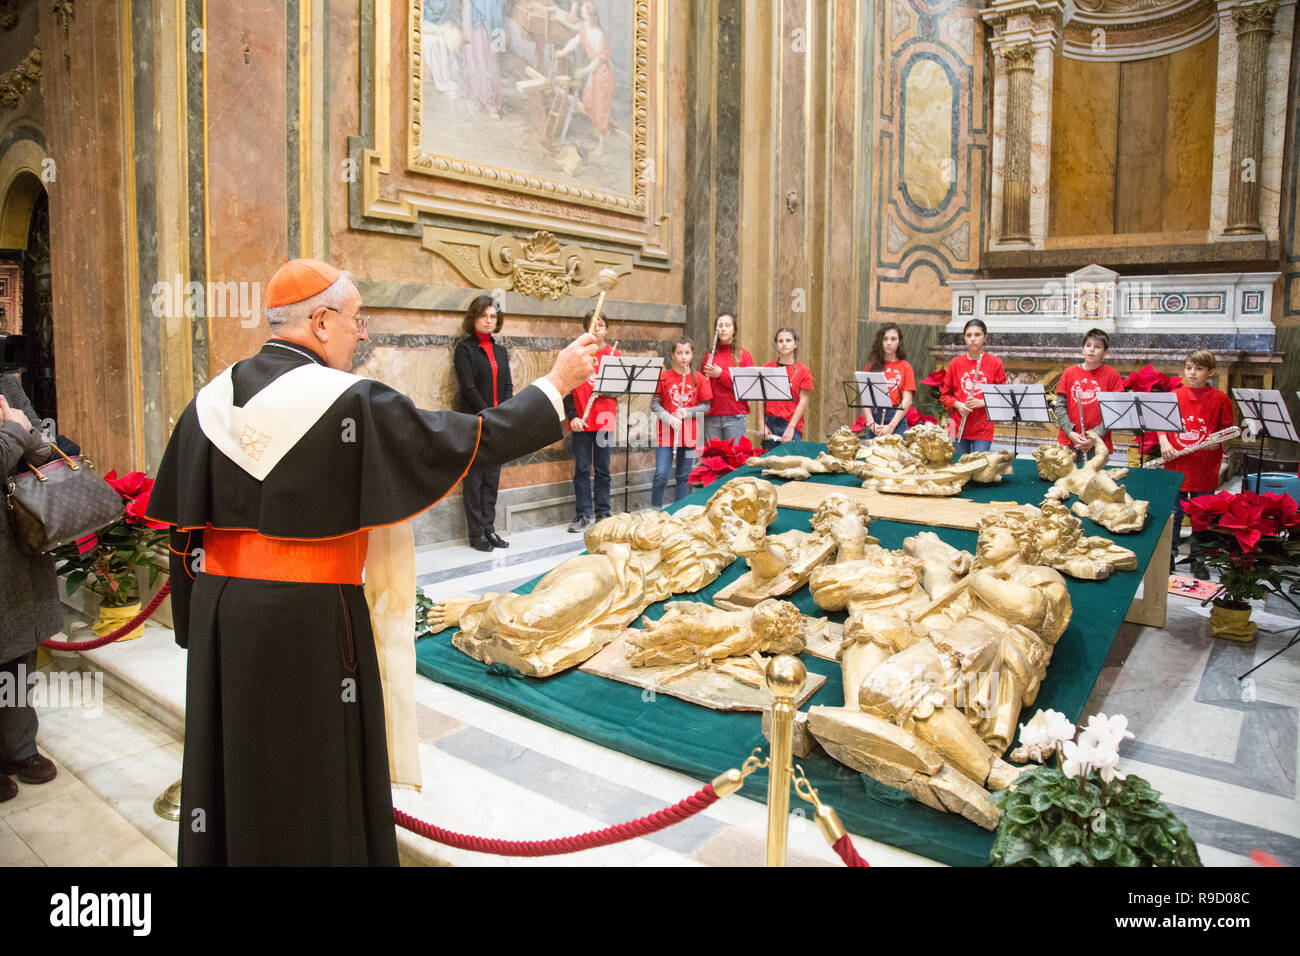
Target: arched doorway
25,297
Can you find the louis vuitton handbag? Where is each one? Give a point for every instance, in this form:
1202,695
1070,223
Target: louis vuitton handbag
59,502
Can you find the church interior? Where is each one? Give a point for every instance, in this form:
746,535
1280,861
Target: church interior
831,167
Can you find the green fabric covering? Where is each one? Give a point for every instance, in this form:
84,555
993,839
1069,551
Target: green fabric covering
703,743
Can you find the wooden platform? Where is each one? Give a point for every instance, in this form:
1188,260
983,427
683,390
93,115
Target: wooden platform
954,512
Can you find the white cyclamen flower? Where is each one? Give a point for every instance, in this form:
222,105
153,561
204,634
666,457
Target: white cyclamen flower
1110,730
1101,755
1079,757
1059,729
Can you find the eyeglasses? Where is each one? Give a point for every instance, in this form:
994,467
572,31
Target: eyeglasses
361,319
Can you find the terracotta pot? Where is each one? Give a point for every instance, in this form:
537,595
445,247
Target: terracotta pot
111,618
1231,621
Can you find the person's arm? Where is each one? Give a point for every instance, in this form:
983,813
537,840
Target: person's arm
464,363
901,412
505,382
796,417
657,409
184,561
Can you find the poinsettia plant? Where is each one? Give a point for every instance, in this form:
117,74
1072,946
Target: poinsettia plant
720,458
1254,540
1084,812
105,563
1150,379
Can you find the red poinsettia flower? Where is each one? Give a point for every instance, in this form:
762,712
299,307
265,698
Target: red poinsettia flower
1151,379
934,379
914,417
130,484
135,512
859,424
1205,510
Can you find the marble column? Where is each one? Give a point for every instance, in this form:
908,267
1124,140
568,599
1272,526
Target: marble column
1254,26
1019,62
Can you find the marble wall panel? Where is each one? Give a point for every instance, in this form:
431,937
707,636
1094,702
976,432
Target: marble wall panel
1139,169
1084,133
1040,142
1189,138
930,117
95,349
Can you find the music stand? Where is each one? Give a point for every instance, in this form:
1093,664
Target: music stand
1267,407
1141,412
1016,404
629,375
868,390
761,384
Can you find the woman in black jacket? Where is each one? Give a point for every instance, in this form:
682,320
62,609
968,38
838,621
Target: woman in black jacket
483,371
30,610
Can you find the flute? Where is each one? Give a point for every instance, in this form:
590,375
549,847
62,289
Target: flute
592,400
961,430
1218,438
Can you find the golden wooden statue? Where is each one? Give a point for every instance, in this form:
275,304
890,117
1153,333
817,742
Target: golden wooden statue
780,564
633,561
1101,497
935,679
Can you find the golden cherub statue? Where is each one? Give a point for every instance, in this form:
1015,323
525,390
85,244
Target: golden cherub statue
1101,497
934,682
633,561
691,632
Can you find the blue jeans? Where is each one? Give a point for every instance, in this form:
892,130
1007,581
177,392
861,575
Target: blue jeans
967,445
663,464
777,425
726,427
589,449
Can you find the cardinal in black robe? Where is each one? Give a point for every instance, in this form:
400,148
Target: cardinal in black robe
289,485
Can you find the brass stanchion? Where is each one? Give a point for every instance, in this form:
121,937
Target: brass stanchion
168,804
785,679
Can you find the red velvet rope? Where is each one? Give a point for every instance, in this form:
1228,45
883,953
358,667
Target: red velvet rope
847,852
126,628
678,812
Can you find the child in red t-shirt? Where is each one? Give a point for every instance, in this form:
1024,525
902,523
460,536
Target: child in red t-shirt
889,356
591,421
1080,385
1205,410
962,394
783,420
679,403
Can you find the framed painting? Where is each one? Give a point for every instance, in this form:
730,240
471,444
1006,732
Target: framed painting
544,97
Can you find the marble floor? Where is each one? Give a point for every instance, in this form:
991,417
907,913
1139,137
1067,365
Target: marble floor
1223,752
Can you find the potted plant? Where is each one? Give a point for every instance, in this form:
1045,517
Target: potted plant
1253,545
107,563
720,458
1084,812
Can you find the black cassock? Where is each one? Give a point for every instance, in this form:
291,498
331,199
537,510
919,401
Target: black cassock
286,760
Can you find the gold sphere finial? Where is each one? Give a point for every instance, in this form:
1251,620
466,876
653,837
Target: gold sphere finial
785,677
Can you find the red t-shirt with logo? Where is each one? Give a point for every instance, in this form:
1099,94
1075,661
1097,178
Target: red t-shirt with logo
1205,411
604,411
724,395
681,391
801,380
962,381
1081,388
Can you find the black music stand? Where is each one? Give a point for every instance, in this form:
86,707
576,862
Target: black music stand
1141,412
629,375
868,390
1016,404
1267,407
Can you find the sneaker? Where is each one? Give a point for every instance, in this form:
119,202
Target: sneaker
8,789
579,523
35,769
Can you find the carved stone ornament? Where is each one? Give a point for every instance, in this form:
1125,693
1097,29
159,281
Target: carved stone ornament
1019,57
537,265
15,84
9,10
1255,16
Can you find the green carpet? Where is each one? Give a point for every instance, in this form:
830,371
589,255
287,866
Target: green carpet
703,743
